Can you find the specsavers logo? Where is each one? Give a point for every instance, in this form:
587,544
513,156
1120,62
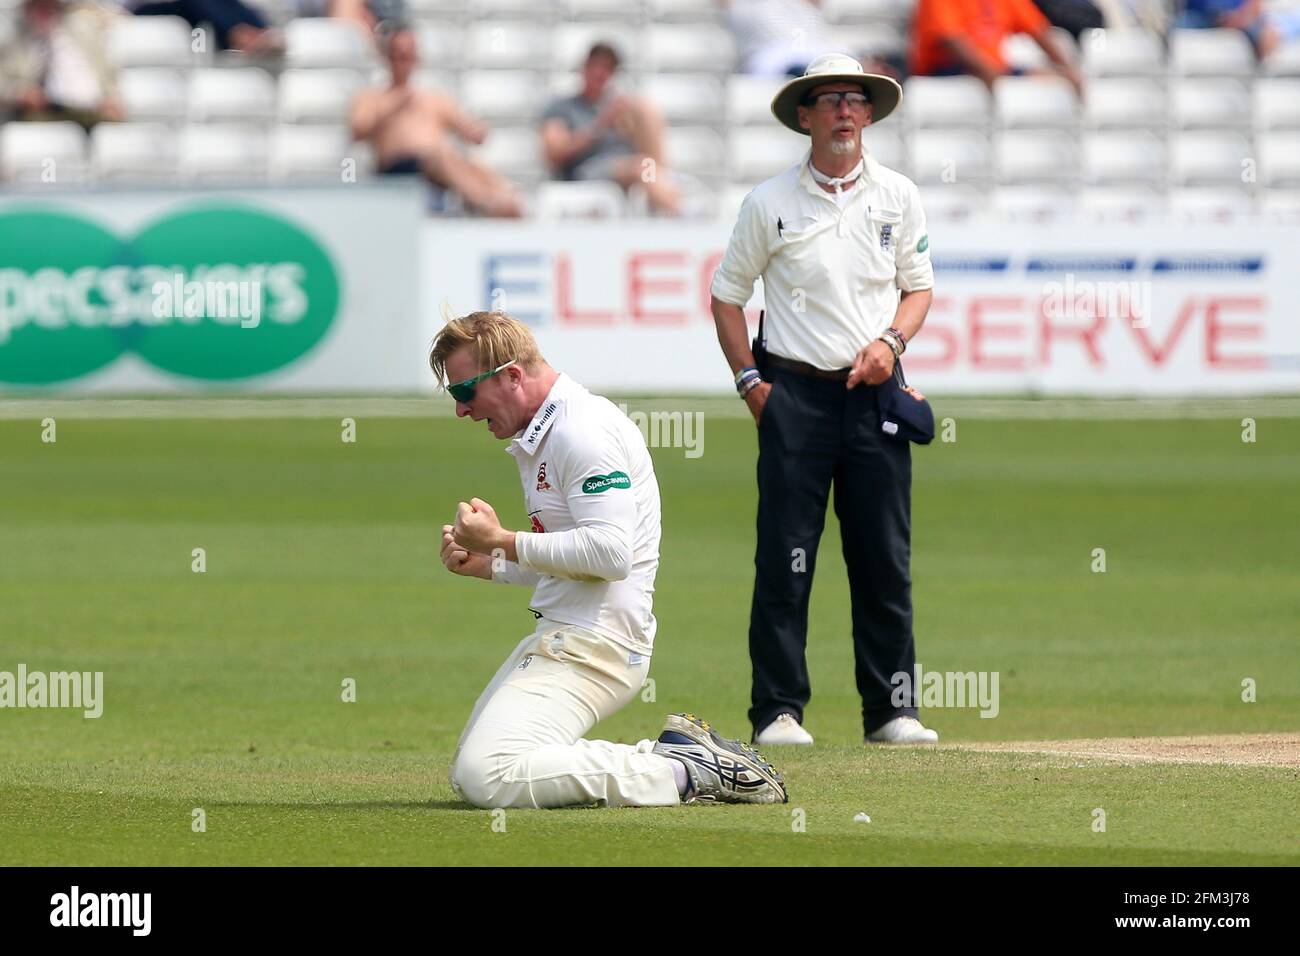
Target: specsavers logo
598,483
74,297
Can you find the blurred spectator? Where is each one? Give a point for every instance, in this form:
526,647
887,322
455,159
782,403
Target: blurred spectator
952,37
778,37
237,25
411,130
1267,28
54,67
1074,16
601,133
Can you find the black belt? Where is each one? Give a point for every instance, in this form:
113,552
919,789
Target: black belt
803,368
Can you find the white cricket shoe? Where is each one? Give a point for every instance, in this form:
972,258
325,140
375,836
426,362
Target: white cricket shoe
782,731
903,730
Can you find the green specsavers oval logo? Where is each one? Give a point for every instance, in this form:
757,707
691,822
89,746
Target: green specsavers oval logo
212,292
598,483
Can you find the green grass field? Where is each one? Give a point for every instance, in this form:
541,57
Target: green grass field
223,688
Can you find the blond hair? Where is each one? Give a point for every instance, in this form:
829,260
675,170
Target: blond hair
495,337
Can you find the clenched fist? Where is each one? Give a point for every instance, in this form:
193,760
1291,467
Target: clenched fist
459,561
477,529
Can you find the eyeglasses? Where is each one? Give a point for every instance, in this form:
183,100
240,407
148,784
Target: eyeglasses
831,101
464,391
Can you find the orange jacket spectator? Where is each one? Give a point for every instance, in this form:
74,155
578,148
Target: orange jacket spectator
983,24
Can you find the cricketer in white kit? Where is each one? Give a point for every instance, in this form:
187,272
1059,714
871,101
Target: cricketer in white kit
591,556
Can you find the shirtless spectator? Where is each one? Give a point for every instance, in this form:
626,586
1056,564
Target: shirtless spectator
602,134
411,132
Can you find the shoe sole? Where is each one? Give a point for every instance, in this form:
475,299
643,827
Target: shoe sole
700,732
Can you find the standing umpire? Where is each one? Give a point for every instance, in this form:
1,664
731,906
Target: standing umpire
834,238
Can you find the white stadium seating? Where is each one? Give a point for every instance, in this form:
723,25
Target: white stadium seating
1035,102
685,97
749,99
1210,53
320,42
1209,158
698,151
153,93
134,152
1209,104
515,152
1125,103
1033,203
218,95
1122,53
698,47
317,96
301,153
1121,203
759,152
1199,205
1123,158
1279,159
946,102
498,95
953,203
222,152
150,41
951,156
46,153
1277,103
507,45
595,200
570,43
1036,156
440,45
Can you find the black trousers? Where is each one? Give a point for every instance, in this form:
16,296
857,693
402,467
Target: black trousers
816,436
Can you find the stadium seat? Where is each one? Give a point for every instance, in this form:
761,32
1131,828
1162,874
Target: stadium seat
241,93
317,96
310,153
697,151
758,153
1209,158
1040,204
439,81
954,203
321,42
871,40
1110,53
507,45
1124,103
1210,53
150,41
444,11
1027,157
1035,102
730,198
749,99
681,11
515,152
1208,206
885,144
1281,206
46,153
1022,52
945,102
866,11
502,94
951,156
1114,158
222,152
628,10
1209,104
539,10
570,43
1279,159
588,200
1277,103
1121,204
441,45
1285,61
698,47
153,94
133,152
685,97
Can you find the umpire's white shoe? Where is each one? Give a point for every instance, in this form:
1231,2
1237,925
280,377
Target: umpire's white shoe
785,730
721,770
903,730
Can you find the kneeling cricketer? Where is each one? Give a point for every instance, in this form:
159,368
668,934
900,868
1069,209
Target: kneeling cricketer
591,556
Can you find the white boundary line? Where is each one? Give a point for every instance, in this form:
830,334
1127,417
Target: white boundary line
439,406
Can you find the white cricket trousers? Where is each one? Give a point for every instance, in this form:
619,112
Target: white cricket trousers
523,745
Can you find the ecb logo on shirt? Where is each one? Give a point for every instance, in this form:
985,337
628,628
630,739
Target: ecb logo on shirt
886,233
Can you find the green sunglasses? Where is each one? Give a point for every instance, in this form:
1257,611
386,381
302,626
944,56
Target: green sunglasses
464,391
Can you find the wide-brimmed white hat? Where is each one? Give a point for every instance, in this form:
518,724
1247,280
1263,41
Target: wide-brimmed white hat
884,92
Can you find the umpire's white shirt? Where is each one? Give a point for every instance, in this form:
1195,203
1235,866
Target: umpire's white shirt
593,501
831,275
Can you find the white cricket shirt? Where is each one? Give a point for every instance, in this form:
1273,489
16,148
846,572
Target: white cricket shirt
831,274
593,503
